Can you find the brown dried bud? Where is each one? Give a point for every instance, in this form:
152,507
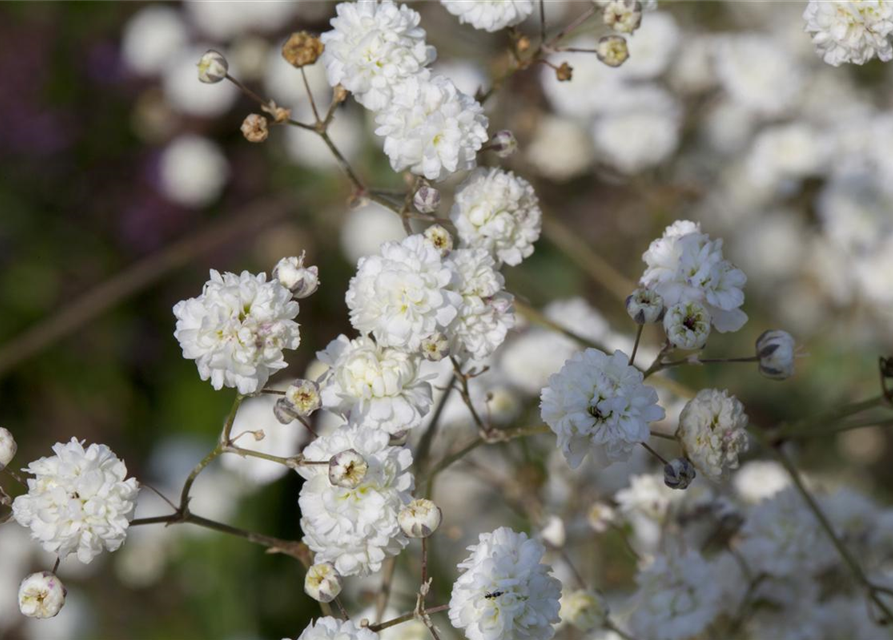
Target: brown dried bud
280,114
302,49
339,94
564,73
255,128
523,44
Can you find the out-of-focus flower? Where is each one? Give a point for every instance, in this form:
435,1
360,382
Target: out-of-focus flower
152,35
322,582
334,629
758,73
687,325
598,404
636,139
504,591
601,516
503,143
197,99
420,518
490,16
775,349
293,275
8,448
41,595
560,149
192,171
623,16
78,501
586,610
712,431
850,30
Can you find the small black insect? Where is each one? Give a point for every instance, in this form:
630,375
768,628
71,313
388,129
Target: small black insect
495,594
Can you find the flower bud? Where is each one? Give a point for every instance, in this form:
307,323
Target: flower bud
503,144
435,348
212,67
623,16
322,582
586,610
426,199
440,238
293,275
612,50
601,516
41,595
347,469
687,325
302,49
679,473
420,518
285,411
8,448
254,128
554,532
775,349
564,73
304,396
645,306
398,439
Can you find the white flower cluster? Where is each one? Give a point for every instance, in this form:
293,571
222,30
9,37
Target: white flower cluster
598,404
377,51
355,527
488,15
334,629
237,329
853,31
78,502
686,267
712,430
505,591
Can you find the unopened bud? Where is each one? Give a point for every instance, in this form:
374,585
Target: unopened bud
564,73
399,439
285,411
41,595
322,582
612,50
586,610
440,238
339,93
645,306
623,16
347,469
259,435
302,49
436,347
503,144
8,448
687,325
293,275
304,396
254,128
212,67
601,516
775,349
420,518
426,199
679,473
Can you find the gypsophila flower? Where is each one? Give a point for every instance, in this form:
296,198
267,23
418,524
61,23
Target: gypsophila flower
403,295
850,30
489,15
712,431
497,211
322,582
431,128
78,501
623,16
237,329
685,265
503,143
505,592
293,275
334,629
254,128
687,325
676,598
212,67
679,473
355,528
373,45
612,50
41,595
375,386
435,348
598,404
601,516
586,610
347,469
8,448
645,306
440,238
301,399
487,312
420,518
775,350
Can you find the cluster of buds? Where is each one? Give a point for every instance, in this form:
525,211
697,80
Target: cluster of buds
301,399
687,325
212,67
645,306
679,473
41,595
293,275
440,238
426,199
322,582
254,128
420,518
623,16
8,448
612,50
503,143
302,49
586,610
775,350
347,469
436,347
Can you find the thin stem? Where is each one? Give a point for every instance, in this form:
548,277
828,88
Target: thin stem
310,96
424,448
15,476
610,626
466,395
840,428
248,92
654,453
576,22
56,564
406,617
384,593
342,162
542,22
665,436
632,356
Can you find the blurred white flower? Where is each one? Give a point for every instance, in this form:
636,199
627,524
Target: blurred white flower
488,15
712,431
192,170
586,610
850,30
759,480
652,47
8,448
560,149
224,21
334,629
758,73
636,140
151,37
366,228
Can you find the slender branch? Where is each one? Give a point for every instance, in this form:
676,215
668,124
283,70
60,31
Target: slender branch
424,448
310,96
466,395
384,593
406,617
632,356
654,453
